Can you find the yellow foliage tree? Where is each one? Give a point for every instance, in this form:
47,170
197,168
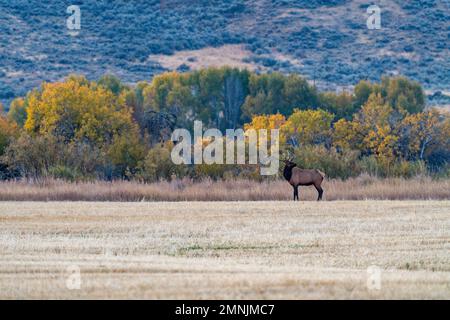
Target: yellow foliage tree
382,143
77,110
8,130
348,134
370,131
307,127
267,122
421,130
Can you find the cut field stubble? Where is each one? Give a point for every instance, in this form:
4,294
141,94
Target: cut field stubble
208,250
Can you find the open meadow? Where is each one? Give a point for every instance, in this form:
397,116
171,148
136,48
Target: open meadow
214,250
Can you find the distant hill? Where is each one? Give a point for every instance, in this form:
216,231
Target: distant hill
327,41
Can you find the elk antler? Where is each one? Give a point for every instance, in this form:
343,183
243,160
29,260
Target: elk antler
290,155
286,156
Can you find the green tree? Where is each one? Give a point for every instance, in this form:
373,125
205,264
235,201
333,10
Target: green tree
18,111
235,91
277,93
298,94
362,92
111,83
265,95
341,105
399,92
402,94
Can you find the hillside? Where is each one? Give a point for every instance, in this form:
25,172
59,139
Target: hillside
327,41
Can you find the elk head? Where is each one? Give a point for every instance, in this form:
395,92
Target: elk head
288,160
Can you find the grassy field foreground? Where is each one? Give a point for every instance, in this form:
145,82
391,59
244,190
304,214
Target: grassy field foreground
207,250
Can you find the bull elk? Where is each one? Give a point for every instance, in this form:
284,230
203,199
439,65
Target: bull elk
303,177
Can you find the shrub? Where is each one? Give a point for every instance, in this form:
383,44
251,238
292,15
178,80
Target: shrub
331,162
158,165
33,157
401,168
124,155
64,173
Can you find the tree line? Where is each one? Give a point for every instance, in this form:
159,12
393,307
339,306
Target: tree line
80,129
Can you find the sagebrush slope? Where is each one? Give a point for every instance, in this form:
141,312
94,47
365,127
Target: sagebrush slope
327,40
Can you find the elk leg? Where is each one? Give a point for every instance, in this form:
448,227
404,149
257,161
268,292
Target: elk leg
320,191
296,193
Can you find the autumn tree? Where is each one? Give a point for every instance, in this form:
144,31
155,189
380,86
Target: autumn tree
106,129
308,127
8,130
131,99
267,122
80,112
158,165
348,135
77,110
419,132
371,131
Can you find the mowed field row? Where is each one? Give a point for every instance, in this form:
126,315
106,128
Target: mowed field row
208,250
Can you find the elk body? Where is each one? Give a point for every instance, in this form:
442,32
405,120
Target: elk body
303,177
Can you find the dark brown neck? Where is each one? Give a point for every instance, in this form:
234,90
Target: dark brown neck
287,173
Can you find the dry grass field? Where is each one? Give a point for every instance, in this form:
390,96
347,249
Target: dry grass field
363,187
207,250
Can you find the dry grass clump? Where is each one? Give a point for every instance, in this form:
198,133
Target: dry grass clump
361,188
226,55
